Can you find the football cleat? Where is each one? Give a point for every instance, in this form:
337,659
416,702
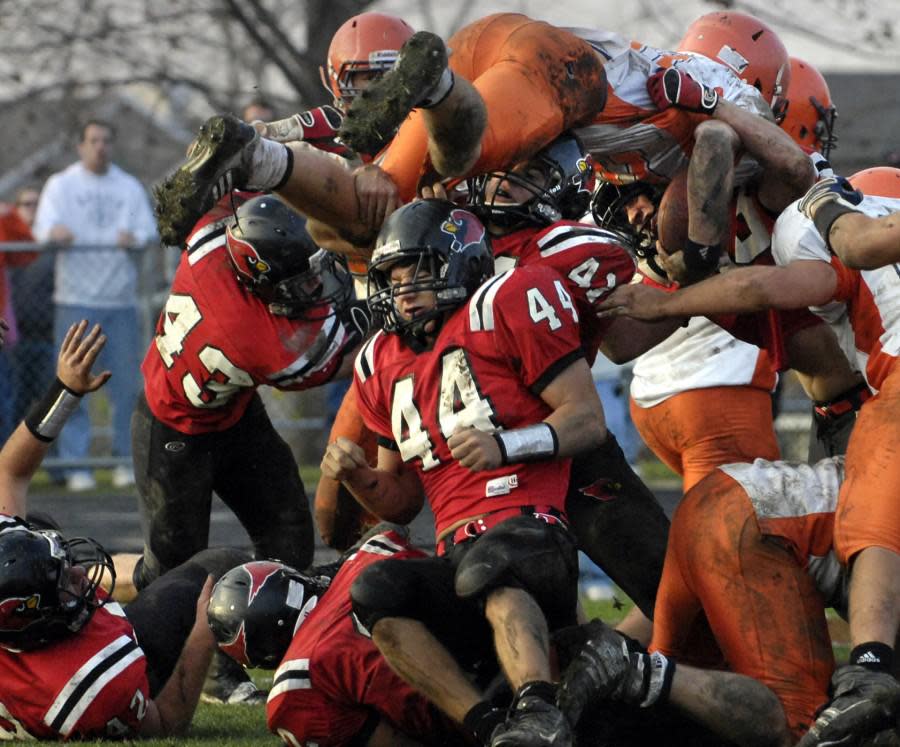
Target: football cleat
380,109
218,161
864,703
533,723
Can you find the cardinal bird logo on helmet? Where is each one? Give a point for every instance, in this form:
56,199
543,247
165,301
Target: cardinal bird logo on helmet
16,613
465,232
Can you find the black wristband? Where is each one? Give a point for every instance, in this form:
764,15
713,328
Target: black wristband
289,169
827,215
48,415
874,655
702,259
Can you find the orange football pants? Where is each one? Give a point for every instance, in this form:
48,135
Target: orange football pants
334,505
536,81
696,431
767,617
868,510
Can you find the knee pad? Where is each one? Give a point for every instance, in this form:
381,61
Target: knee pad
525,553
385,589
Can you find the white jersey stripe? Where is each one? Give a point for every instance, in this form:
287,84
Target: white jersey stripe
481,308
365,360
87,671
574,241
108,676
291,675
216,243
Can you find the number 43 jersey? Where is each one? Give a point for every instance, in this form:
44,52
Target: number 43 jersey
490,362
216,342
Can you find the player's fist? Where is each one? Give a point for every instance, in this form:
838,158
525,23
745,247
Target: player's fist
318,127
827,201
673,87
342,459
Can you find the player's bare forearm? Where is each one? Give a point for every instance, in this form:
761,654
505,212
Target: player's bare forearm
789,172
390,496
736,707
20,458
626,339
177,701
866,243
577,415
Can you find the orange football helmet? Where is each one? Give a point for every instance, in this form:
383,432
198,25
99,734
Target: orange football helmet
881,181
810,113
365,43
747,46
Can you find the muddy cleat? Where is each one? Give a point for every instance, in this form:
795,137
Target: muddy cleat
380,109
864,703
533,723
227,683
218,161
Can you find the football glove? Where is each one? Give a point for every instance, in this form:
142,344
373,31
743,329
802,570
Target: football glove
318,127
827,201
611,666
864,703
673,87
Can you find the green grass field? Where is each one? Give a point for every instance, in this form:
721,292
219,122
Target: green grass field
243,726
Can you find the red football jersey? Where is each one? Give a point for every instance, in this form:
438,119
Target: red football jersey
216,342
491,359
593,262
88,685
333,677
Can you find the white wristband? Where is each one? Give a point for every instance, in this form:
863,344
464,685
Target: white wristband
527,444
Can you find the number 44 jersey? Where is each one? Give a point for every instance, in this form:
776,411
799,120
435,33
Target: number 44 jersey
216,342
490,362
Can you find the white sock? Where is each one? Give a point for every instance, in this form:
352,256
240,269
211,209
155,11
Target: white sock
441,90
269,165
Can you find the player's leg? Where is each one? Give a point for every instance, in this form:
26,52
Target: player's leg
525,572
257,477
618,522
174,476
229,154
535,81
428,635
767,615
164,613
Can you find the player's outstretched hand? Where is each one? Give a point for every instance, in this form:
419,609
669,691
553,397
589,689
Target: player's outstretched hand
637,301
77,356
674,87
377,195
318,127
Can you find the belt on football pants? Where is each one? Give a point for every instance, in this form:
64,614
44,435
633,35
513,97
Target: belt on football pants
477,527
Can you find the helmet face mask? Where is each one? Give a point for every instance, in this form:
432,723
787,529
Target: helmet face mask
811,115
48,586
368,43
559,179
448,250
276,260
256,608
609,205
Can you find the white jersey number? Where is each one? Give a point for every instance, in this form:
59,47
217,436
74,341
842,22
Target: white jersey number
180,316
460,405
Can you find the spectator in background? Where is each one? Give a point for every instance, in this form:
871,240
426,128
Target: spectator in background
34,356
15,226
258,108
96,213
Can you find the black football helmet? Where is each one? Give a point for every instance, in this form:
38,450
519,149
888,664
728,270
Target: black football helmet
48,586
560,179
256,608
276,259
608,208
450,250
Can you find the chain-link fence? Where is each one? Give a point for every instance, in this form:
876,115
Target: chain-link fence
28,360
